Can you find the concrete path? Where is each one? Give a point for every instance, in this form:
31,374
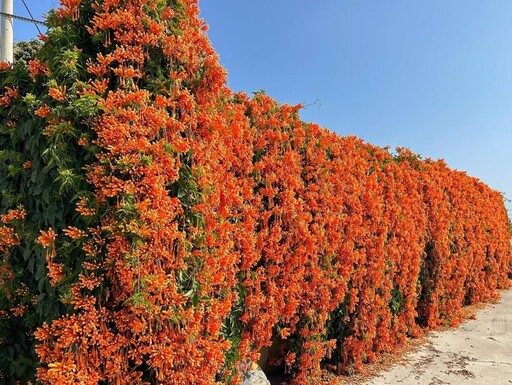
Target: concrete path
478,352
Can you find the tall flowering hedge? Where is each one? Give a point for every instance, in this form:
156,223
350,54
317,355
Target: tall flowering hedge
158,228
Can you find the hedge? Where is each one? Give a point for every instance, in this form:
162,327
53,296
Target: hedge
159,228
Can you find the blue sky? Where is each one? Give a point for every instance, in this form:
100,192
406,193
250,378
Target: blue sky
434,76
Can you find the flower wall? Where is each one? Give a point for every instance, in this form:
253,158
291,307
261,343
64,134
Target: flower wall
158,228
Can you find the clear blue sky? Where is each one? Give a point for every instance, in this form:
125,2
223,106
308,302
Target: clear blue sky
434,76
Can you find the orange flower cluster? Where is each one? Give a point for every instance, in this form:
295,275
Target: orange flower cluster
225,224
8,236
36,68
5,66
10,93
57,93
157,281
16,214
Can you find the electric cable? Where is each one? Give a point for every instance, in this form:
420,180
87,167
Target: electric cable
30,13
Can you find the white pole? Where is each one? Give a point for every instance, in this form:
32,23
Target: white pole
6,38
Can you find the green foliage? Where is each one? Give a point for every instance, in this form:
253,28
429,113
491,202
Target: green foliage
41,170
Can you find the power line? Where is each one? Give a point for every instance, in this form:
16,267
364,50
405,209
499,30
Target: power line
22,18
30,13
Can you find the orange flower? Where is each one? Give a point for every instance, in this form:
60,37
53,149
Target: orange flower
19,311
19,214
55,272
12,92
69,8
74,233
82,208
5,66
43,111
47,238
168,13
36,68
8,238
58,93
83,141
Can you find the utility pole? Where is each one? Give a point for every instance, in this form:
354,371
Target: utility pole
6,32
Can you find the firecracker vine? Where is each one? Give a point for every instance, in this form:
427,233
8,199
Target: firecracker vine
158,228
